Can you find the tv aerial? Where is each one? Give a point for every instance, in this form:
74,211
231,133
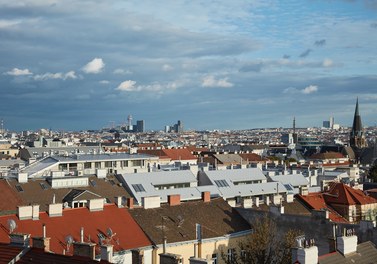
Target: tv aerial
11,225
68,241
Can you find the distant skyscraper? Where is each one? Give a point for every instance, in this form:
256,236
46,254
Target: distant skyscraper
357,137
326,124
331,122
140,126
129,120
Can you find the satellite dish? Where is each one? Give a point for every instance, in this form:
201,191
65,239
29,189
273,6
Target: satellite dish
11,225
109,232
101,238
69,241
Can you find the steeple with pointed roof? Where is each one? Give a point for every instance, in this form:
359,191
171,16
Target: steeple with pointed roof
357,138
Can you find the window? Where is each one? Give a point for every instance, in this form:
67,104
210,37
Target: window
87,165
43,186
97,165
221,183
108,164
214,258
230,255
93,183
138,187
19,188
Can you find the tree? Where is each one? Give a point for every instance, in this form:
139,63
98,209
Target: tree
265,245
372,174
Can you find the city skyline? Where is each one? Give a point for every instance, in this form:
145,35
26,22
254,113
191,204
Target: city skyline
219,65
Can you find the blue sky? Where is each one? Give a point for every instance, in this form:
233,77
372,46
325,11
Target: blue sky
74,65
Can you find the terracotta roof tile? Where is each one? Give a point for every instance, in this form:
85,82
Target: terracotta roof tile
9,197
7,253
317,201
128,233
179,154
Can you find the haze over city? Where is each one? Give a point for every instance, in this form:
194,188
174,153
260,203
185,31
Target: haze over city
215,65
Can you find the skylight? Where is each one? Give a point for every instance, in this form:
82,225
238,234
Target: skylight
221,183
138,187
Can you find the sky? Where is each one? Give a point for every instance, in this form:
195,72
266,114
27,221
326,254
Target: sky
88,64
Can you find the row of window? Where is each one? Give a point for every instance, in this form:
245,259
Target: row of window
107,164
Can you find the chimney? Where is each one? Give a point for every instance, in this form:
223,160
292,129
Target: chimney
96,204
42,242
137,256
206,197
107,253
84,249
347,243
305,252
118,201
130,203
35,213
174,199
55,209
19,239
167,258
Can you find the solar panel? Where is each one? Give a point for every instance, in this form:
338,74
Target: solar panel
288,187
221,183
19,188
138,187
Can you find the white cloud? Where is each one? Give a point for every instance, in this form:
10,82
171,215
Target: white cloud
307,90
167,67
127,86
327,63
310,89
104,82
94,66
122,71
4,24
130,86
70,75
210,81
58,75
18,72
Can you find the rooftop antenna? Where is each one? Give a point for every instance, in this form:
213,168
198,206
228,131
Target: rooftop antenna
11,225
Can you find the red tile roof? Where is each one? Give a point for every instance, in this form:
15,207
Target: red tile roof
36,255
340,193
9,198
128,234
327,155
179,154
316,201
7,253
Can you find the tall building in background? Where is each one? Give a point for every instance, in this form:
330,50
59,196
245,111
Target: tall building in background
357,137
140,126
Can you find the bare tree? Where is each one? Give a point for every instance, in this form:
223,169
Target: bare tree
264,246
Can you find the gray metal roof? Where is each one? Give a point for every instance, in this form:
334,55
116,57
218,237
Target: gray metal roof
103,157
293,179
143,184
252,174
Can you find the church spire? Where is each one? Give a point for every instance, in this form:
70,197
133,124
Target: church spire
357,138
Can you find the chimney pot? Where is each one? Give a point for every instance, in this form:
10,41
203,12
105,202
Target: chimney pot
130,203
174,199
206,197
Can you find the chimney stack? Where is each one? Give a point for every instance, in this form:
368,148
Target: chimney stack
206,197
174,199
42,242
130,203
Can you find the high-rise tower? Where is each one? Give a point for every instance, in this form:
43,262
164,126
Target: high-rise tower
357,138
